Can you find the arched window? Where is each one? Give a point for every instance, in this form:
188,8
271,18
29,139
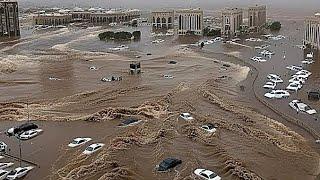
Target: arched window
164,20
158,20
154,20
169,20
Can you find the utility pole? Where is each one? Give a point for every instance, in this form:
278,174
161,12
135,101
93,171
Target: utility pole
20,152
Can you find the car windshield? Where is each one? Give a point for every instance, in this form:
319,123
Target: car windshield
75,142
213,175
89,148
13,172
2,173
307,108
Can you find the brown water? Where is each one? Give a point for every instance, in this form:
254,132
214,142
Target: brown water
247,143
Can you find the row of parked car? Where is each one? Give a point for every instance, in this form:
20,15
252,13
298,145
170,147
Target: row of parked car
25,132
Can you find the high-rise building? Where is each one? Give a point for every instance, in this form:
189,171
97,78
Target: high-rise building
312,31
190,21
232,19
257,16
162,19
9,18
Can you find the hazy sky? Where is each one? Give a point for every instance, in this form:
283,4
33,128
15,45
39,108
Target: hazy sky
304,5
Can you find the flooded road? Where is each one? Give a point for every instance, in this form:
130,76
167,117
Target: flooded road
51,72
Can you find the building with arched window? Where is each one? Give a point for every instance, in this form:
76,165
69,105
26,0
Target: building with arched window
257,16
190,21
9,18
162,19
232,20
312,31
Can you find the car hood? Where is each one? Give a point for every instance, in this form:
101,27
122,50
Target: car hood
311,111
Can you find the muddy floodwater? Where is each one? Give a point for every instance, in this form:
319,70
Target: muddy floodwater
48,76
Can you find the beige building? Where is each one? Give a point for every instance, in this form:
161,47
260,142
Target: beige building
189,21
257,16
162,19
51,19
232,20
9,18
312,31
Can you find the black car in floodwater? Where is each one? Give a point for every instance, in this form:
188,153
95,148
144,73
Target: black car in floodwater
129,122
168,164
20,129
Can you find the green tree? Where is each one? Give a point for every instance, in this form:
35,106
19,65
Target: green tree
275,26
136,35
108,35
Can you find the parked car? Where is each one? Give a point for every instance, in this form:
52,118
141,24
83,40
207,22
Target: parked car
186,116
93,148
79,141
294,68
274,78
270,85
3,147
30,134
294,86
5,165
210,128
297,79
299,106
277,94
20,129
19,172
206,174
3,174
168,164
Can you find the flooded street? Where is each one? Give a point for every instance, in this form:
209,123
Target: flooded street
50,71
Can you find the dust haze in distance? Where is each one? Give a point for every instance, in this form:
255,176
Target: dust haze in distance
311,5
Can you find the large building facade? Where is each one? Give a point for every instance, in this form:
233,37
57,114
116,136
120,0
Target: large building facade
9,18
257,16
232,20
52,19
162,19
312,31
92,15
190,21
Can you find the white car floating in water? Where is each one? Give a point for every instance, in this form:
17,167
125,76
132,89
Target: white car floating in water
79,141
258,59
19,172
3,174
206,174
270,85
5,165
93,148
303,73
294,86
210,128
294,68
277,94
307,61
167,76
266,53
157,41
30,134
54,79
300,106
93,68
186,116
274,78
265,46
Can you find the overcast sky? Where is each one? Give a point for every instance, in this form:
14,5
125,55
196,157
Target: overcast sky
297,5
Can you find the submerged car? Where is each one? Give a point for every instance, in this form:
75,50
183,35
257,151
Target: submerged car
210,128
130,122
3,147
30,134
5,165
186,116
294,86
270,85
167,76
299,106
258,59
111,78
3,174
168,164
206,174
93,148
303,73
298,79
20,129
277,94
79,141
19,172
